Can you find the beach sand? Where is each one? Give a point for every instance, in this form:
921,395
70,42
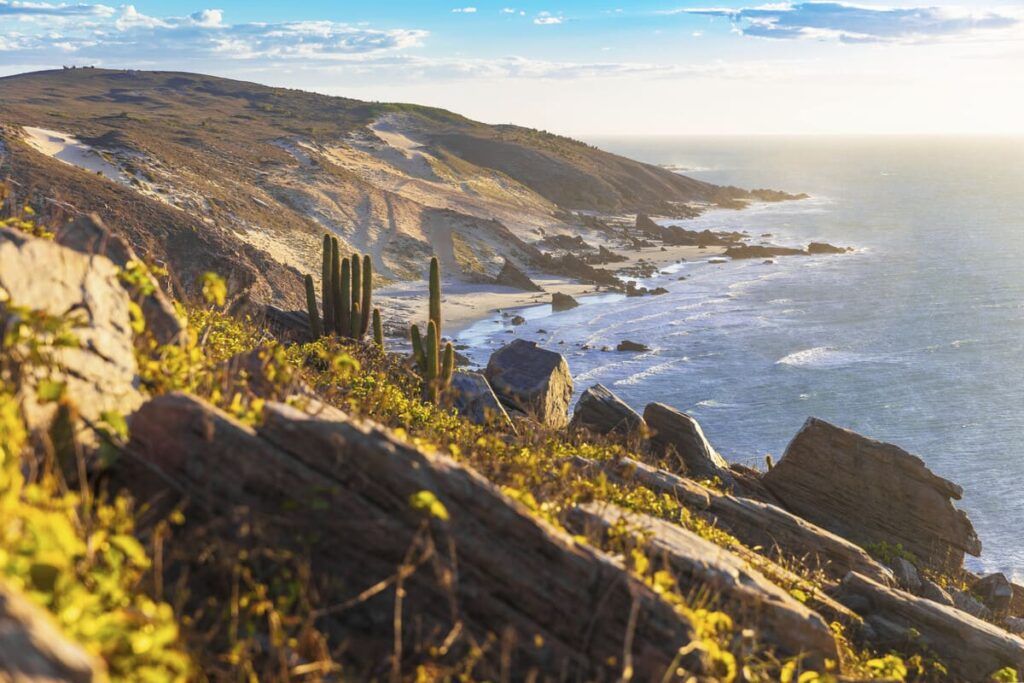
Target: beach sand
464,303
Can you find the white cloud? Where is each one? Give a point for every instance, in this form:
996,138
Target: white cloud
859,23
464,10
99,34
546,19
508,10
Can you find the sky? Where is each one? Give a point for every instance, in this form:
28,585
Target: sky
579,68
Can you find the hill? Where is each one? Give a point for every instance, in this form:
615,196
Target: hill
203,173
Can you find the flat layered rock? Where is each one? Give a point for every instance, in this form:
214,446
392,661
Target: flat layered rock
675,436
600,411
870,492
558,608
970,648
778,532
702,568
533,381
99,372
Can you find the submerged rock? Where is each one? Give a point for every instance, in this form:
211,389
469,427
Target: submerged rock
563,302
825,248
626,345
871,492
533,381
601,411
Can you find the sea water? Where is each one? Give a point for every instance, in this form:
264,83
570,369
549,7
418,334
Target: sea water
917,338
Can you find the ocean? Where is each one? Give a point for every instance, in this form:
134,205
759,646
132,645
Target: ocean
916,339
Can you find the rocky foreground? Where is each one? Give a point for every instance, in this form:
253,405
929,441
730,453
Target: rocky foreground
417,551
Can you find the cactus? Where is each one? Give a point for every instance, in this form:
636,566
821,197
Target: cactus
346,293
366,305
436,365
326,287
314,315
378,329
435,294
343,294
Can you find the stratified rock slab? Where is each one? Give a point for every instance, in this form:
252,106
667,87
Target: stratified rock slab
970,648
702,568
601,411
474,399
341,493
870,492
674,433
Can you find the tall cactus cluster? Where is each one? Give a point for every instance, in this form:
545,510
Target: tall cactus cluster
436,366
346,295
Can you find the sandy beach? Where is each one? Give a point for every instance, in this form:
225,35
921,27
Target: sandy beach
464,303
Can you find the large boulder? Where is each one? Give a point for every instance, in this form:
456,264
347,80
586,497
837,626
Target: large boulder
677,437
88,235
995,590
700,567
99,372
563,302
510,276
533,381
359,502
601,411
33,650
872,492
970,648
474,399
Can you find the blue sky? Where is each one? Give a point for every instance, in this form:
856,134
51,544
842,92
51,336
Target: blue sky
579,67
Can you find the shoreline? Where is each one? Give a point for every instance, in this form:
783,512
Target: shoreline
467,303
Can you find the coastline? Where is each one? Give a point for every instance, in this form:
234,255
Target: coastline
467,303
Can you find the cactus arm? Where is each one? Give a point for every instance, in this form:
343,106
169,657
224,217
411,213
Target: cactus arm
418,352
357,279
433,371
435,294
378,329
354,321
448,365
367,301
344,323
326,287
335,285
314,315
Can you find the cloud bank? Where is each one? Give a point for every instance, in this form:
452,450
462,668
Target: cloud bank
856,23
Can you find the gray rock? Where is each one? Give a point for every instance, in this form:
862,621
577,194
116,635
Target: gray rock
474,399
970,648
995,591
99,373
701,567
627,345
32,650
518,320
601,411
532,380
966,602
870,492
935,593
88,235
906,575
1014,625
675,434
563,302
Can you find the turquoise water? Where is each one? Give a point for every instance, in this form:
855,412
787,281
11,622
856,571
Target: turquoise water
916,339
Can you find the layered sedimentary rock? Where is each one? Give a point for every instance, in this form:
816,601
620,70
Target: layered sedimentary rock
677,436
533,381
600,411
872,492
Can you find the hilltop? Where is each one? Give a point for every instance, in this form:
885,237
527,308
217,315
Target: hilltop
209,174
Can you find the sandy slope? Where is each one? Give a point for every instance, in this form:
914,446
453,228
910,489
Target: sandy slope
71,151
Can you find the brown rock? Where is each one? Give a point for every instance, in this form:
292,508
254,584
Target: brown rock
995,590
870,492
533,381
761,524
703,568
563,302
99,373
627,345
676,435
474,399
515,576
970,648
510,276
33,650
88,235
601,411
